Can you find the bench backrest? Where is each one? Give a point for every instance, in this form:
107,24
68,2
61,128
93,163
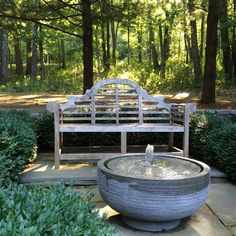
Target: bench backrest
115,101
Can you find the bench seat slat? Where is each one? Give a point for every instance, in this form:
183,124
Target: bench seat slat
148,127
156,118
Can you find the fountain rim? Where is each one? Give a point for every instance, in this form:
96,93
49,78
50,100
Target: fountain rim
205,169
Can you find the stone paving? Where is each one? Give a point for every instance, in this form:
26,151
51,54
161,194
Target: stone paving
216,218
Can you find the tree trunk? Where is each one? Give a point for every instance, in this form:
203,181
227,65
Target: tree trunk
28,57
202,36
128,33
108,61
87,44
3,55
234,45
140,42
186,37
166,43
18,56
153,50
41,56
114,31
10,60
225,43
34,51
194,47
59,53
97,53
163,59
208,90
63,55
104,52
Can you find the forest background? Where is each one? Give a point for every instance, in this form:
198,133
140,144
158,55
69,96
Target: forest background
164,45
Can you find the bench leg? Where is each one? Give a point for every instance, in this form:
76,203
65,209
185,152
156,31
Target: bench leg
123,142
56,137
171,141
186,143
57,151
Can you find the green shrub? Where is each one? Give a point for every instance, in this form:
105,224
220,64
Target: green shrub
17,145
55,211
213,140
45,130
222,142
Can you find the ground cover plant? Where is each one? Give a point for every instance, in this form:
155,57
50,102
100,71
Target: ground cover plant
213,140
38,211
18,145
56,211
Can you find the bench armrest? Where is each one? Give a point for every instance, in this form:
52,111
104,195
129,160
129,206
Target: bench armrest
180,113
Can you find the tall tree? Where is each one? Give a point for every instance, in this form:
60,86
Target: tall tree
194,45
208,90
234,43
128,32
41,54
34,51
114,31
3,55
87,44
108,62
225,42
18,55
28,57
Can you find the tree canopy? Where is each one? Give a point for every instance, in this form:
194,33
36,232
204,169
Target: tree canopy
165,44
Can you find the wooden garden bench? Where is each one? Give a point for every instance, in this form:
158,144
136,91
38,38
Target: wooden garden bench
118,105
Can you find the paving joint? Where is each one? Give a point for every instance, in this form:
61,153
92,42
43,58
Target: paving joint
210,209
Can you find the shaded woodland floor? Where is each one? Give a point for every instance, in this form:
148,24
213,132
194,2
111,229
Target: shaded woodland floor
225,99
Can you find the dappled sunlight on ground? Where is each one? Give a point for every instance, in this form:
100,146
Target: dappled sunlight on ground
19,100
181,95
48,166
39,101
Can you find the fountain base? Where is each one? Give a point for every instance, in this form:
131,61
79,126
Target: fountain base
150,225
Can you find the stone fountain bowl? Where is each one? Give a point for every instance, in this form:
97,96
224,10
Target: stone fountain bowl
153,203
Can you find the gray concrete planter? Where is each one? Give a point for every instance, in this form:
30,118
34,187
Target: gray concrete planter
153,204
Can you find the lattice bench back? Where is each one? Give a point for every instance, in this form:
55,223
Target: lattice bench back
115,101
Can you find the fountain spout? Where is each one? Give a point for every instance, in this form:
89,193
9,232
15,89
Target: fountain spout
149,154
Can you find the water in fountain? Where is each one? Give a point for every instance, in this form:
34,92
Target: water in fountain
153,166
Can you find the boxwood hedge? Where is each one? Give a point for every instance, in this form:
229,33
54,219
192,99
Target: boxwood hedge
213,140
18,144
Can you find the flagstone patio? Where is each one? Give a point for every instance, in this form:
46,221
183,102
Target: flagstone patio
216,218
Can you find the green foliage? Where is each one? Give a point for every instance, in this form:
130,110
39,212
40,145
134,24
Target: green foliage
68,80
213,140
56,211
178,78
17,145
44,125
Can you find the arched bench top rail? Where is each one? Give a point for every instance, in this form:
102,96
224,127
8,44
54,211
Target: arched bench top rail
72,100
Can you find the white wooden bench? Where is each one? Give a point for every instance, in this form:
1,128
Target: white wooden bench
118,105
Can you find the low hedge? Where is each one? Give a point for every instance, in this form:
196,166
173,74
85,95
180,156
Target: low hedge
18,145
213,140
56,211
